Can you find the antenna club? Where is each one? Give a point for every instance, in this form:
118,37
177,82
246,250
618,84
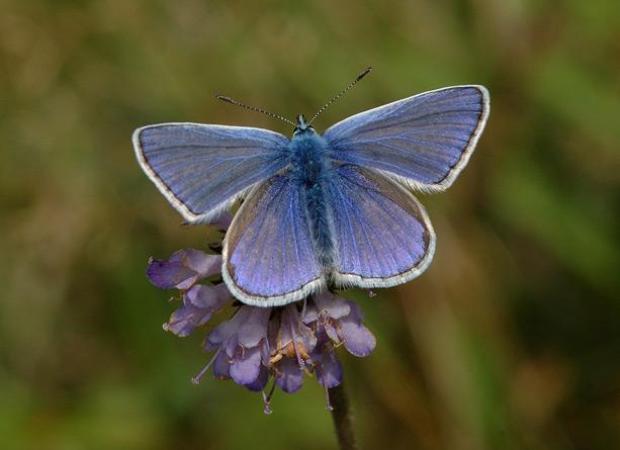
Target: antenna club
225,99
364,73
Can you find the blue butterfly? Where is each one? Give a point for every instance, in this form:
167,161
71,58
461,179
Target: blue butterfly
319,210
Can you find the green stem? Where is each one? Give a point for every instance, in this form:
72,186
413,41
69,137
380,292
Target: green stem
341,414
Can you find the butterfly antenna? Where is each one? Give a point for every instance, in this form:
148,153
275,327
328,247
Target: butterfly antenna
254,108
341,93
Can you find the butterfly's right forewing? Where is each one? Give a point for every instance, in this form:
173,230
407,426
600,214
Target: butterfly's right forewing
201,169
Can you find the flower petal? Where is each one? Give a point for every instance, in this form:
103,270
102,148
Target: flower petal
289,376
185,319
253,326
328,369
332,333
310,313
261,380
203,264
223,332
211,297
221,366
246,368
358,340
292,329
183,269
332,305
199,304
170,274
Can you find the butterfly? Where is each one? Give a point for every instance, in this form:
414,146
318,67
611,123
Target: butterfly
319,210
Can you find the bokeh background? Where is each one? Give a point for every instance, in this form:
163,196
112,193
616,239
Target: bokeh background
510,341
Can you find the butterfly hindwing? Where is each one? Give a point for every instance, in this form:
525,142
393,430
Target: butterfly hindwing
424,140
381,233
201,169
269,257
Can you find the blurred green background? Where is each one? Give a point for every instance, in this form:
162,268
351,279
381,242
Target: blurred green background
510,341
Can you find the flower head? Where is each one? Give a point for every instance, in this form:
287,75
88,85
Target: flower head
257,345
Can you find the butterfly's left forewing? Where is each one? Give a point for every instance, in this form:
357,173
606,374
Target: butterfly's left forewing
424,141
269,257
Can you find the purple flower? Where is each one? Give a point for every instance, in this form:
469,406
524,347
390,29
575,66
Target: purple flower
199,304
183,269
288,374
257,345
341,321
327,367
241,347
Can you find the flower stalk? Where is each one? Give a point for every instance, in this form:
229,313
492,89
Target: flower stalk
341,415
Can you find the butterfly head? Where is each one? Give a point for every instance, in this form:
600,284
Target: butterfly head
302,126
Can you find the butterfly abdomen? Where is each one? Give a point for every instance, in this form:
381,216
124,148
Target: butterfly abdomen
310,168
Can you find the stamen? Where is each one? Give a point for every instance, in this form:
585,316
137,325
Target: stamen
300,360
267,398
328,401
275,358
266,405
166,325
197,378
